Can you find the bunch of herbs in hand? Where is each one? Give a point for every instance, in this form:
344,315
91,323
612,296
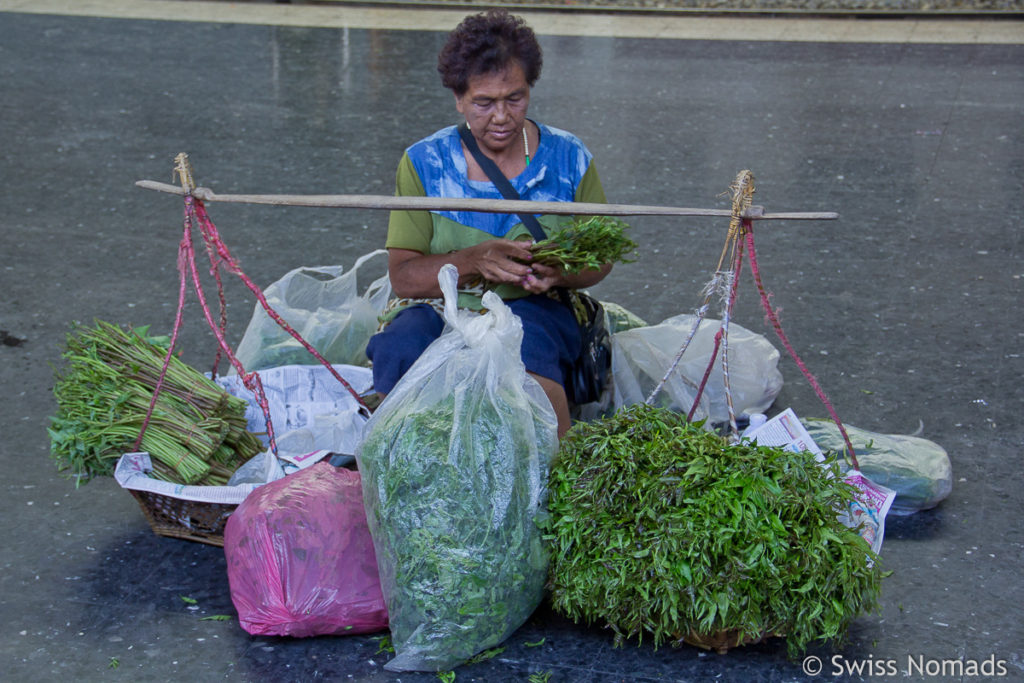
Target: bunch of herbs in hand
587,243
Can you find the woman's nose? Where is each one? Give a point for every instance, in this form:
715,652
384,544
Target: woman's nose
500,111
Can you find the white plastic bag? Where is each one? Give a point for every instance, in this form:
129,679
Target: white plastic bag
642,355
455,465
323,304
261,468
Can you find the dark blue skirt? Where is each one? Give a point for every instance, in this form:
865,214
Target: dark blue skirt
551,340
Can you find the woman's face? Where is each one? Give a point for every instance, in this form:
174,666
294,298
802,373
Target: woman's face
495,107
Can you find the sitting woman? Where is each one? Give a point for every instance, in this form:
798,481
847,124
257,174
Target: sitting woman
490,62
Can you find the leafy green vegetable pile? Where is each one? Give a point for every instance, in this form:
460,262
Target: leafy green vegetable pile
452,492
196,435
659,527
587,243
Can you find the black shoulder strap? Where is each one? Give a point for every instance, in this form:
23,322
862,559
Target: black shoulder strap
500,181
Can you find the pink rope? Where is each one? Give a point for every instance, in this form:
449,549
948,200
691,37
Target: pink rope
182,246
752,256
219,255
186,265
724,329
223,322
707,374
251,380
211,235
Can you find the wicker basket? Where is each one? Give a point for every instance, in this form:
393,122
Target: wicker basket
193,513
722,641
187,519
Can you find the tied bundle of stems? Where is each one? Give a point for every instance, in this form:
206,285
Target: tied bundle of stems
196,434
587,243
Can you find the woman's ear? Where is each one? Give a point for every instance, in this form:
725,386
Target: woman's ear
459,106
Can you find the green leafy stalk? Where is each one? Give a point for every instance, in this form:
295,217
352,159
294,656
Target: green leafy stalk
587,243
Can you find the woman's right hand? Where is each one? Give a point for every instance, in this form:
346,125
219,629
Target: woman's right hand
498,261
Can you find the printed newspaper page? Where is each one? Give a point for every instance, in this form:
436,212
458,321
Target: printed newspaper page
785,431
297,394
868,513
133,469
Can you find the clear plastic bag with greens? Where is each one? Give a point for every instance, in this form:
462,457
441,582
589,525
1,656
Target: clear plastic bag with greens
918,470
323,304
642,355
455,465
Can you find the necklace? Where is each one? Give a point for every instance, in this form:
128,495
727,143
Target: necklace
526,144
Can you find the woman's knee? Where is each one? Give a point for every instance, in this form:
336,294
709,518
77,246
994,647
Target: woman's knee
394,349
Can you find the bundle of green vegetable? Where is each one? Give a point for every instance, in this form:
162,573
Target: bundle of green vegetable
660,527
196,435
587,243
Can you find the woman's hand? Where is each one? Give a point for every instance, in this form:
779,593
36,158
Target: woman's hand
544,278
541,278
500,261
506,262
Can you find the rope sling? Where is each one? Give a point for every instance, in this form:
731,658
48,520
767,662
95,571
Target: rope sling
188,271
723,285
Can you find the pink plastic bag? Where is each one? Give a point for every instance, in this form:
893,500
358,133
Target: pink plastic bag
300,557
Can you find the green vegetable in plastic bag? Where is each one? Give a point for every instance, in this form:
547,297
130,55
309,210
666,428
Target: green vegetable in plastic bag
620,318
454,467
918,470
324,306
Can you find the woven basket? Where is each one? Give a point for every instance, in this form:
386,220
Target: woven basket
187,519
722,641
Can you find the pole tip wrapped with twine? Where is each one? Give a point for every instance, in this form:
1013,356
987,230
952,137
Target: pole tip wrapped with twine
183,168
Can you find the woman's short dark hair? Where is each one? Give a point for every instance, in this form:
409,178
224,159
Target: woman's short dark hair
488,42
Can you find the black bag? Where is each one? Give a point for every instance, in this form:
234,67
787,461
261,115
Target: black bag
594,364
592,367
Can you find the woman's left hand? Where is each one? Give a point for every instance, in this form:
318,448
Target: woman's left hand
544,278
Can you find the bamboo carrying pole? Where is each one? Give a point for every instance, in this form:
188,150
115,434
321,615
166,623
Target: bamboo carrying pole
368,201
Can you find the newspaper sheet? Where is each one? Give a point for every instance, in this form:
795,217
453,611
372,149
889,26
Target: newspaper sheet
870,509
785,431
309,408
873,502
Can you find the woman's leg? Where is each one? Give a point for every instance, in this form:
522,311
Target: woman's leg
551,344
556,394
394,349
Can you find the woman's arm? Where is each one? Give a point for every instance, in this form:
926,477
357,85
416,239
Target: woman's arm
414,274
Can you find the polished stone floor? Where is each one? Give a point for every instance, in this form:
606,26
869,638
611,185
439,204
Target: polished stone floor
906,308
